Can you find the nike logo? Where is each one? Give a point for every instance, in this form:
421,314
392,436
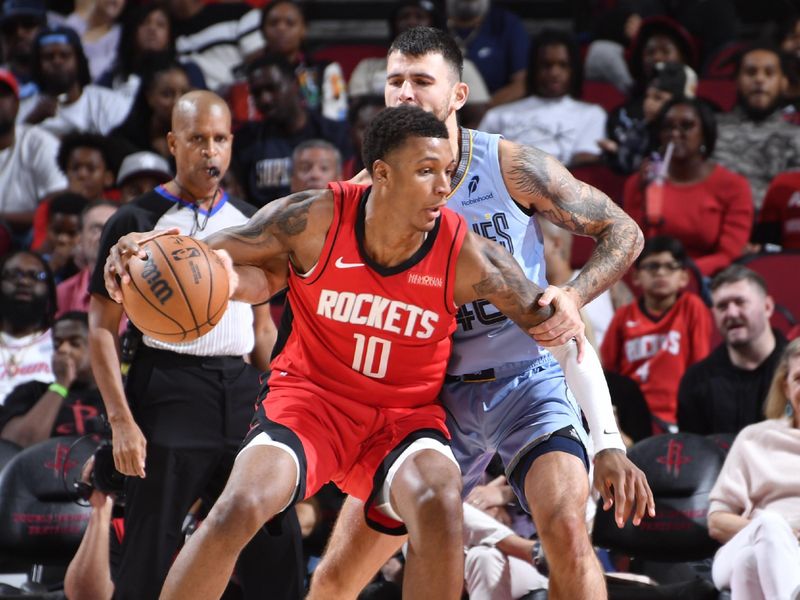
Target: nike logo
631,323
607,432
485,408
343,265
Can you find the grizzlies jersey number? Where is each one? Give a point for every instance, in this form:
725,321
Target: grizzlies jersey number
485,338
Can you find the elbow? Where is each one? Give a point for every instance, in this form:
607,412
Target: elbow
715,529
638,244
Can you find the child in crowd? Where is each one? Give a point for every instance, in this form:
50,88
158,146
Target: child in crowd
655,338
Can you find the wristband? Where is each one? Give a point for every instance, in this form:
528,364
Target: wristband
58,389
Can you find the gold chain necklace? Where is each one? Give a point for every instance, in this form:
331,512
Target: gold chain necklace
13,357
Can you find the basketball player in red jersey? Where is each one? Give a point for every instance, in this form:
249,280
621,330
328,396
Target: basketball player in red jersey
375,279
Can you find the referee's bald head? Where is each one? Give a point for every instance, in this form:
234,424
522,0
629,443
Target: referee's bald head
195,103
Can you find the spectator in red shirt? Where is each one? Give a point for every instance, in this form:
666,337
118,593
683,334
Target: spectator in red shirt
701,203
779,219
655,339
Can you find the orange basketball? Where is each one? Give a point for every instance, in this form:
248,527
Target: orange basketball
179,292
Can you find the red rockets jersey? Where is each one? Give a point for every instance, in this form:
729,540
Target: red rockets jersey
377,335
656,352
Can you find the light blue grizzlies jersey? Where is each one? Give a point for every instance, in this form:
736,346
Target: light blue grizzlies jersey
485,337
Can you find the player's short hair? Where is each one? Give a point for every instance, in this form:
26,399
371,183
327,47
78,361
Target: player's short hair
419,41
393,126
663,243
95,141
708,121
272,59
68,203
736,273
317,143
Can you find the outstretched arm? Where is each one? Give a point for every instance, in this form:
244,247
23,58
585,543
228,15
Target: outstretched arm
538,181
290,228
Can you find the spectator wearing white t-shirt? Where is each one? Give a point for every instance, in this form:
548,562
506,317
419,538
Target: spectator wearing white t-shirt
27,161
67,101
27,308
549,117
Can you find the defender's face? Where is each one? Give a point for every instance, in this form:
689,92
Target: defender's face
426,81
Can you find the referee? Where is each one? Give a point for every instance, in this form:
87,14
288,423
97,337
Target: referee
185,407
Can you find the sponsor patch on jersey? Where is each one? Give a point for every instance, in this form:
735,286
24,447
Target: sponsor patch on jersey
426,280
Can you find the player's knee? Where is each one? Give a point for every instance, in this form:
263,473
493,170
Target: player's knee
242,509
565,525
329,581
438,507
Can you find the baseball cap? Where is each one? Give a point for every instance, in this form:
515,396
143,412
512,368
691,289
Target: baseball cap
8,78
675,78
23,8
143,162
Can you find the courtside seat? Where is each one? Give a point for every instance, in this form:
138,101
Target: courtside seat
674,547
8,450
41,522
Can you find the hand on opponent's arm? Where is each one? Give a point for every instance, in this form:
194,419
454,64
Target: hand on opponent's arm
485,270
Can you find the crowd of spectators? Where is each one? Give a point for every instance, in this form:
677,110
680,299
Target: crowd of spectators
86,101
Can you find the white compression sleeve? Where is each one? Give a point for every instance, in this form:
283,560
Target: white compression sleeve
588,385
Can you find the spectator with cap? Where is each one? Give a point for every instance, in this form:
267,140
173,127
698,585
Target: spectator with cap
73,293
369,76
549,117
754,138
20,23
494,39
140,173
659,39
66,100
27,161
628,127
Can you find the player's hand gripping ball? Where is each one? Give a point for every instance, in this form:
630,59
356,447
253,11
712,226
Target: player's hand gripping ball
179,292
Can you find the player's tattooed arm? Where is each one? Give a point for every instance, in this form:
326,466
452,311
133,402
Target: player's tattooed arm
537,180
289,229
487,271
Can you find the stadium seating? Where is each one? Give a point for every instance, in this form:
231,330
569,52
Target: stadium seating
674,547
780,271
41,521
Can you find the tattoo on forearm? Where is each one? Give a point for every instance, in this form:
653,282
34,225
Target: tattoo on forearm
509,289
290,221
584,210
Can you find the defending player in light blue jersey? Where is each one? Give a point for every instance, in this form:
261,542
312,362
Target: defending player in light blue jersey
505,393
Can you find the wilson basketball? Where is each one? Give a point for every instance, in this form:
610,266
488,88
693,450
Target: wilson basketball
179,292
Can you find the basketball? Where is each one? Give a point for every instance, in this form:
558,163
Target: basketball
179,292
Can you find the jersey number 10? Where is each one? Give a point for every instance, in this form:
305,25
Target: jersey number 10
371,356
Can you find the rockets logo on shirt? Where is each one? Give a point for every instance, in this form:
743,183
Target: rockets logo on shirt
375,311
647,346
